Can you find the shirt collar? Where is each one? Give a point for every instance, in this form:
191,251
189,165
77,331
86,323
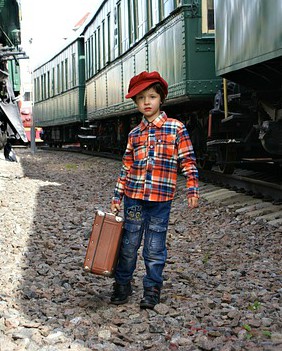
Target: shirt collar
157,122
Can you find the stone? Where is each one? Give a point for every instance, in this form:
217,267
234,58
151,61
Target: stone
221,282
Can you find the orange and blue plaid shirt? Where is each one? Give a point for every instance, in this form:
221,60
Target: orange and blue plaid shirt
150,163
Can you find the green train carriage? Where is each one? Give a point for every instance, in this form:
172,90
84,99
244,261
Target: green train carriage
15,76
122,39
59,94
125,37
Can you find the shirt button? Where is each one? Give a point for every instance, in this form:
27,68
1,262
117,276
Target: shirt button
151,146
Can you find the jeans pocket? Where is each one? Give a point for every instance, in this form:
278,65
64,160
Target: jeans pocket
156,236
131,234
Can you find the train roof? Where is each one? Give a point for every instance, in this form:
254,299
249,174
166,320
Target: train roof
247,33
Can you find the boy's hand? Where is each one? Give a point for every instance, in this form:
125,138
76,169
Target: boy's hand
115,208
193,202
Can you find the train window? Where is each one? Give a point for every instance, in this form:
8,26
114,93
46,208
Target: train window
149,15
86,59
89,60
208,16
133,15
99,49
73,70
63,77
41,88
53,81
155,13
169,6
44,86
35,90
40,96
142,18
48,85
103,44
119,29
90,57
66,74
130,22
95,55
38,88
109,37
58,79
161,10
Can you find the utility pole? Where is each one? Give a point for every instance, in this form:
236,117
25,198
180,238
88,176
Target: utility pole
32,129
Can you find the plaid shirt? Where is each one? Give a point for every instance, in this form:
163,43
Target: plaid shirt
150,162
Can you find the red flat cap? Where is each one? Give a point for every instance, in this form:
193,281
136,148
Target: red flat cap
143,81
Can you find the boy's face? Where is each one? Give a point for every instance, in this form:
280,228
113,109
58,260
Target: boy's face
148,103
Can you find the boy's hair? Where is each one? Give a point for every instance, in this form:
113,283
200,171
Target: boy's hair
158,89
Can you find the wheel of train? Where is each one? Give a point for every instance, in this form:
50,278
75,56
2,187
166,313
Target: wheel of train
226,158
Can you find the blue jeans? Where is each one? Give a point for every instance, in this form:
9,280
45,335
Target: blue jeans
151,219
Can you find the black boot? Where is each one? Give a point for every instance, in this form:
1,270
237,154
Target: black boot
121,293
151,297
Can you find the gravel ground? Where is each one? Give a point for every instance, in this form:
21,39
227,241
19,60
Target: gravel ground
222,288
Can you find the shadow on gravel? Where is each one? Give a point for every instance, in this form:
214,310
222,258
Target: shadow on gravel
55,292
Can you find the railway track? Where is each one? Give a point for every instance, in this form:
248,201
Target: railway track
254,208
252,183
256,195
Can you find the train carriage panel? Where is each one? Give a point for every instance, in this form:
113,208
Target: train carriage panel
91,98
14,75
128,70
166,51
59,87
48,111
101,92
114,84
42,114
57,110
249,34
201,81
141,58
74,106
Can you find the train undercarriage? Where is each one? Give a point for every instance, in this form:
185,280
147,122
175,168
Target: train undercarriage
11,127
250,134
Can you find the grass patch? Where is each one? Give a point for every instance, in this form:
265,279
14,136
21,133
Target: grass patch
71,166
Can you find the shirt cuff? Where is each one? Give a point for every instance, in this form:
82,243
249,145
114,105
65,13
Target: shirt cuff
116,201
193,192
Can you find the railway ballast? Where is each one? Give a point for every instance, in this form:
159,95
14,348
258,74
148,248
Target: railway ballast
222,288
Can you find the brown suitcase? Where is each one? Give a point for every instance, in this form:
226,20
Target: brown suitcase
103,247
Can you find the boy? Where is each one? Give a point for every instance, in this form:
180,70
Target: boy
147,183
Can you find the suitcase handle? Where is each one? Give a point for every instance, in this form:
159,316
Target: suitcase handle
103,214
